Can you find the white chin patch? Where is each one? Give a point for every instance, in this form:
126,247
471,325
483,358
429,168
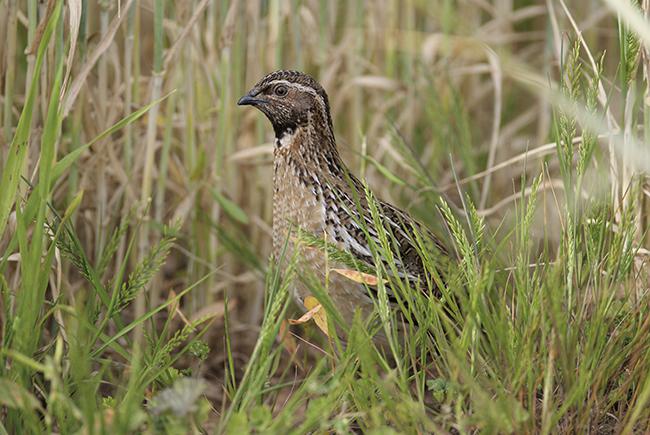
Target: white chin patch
286,138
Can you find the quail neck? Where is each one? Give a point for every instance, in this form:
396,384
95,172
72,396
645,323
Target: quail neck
314,191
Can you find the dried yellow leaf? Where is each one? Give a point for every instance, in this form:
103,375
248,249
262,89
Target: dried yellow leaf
320,317
315,312
359,277
307,316
288,341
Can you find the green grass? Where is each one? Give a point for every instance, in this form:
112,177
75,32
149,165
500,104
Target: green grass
137,292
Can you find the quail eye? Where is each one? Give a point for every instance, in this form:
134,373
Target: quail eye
280,90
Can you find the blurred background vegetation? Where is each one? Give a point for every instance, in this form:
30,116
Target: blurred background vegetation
464,100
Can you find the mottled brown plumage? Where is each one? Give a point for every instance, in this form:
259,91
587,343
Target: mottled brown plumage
313,190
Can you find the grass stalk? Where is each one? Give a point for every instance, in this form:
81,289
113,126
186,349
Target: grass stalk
151,133
10,68
539,325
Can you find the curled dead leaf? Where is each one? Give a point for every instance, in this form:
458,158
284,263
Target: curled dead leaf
320,317
358,277
289,342
306,317
315,312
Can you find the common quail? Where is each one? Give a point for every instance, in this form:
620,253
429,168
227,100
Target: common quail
314,191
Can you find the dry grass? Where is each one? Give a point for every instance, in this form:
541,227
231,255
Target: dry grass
440,96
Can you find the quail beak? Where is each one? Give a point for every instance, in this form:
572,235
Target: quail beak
250,100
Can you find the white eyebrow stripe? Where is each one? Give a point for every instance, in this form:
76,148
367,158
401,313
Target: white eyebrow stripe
296,85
